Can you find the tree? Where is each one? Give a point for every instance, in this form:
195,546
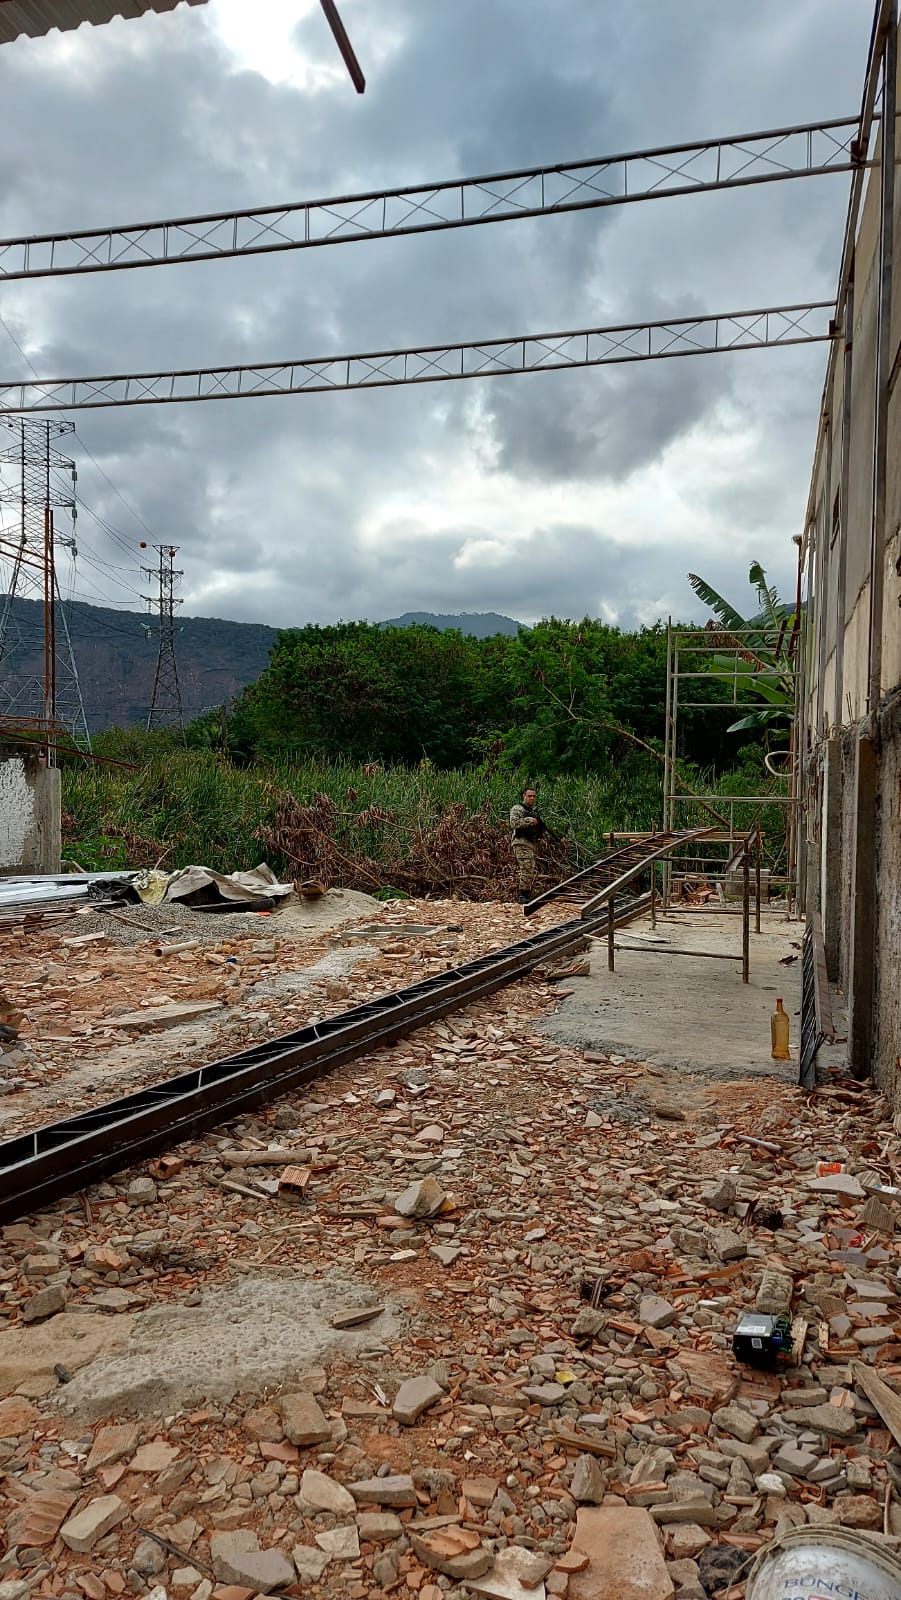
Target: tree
762,651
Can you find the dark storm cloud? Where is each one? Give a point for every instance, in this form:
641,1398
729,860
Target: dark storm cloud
601,424
273,504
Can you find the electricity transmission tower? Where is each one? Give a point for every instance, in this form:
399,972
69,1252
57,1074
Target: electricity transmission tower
165,702
39,688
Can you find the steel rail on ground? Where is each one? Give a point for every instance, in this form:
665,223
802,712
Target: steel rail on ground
61,1158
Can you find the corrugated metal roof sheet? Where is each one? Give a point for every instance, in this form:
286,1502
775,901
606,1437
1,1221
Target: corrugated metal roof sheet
32,18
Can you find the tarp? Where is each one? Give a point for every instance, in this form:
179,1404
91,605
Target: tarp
203,886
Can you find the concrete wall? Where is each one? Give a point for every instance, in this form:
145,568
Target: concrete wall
851,782
30,816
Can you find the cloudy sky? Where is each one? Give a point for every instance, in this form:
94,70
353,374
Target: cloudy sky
574,492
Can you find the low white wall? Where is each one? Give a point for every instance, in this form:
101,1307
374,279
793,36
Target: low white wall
29,816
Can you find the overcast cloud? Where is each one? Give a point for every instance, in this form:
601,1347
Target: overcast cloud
565,493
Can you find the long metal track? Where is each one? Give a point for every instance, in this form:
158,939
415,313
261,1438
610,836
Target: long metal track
607,869
63,1157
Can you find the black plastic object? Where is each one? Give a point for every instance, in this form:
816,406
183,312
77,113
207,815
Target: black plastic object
762,1340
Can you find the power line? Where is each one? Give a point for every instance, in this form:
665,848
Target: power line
127,504
10,335
90,454
715,334
804,150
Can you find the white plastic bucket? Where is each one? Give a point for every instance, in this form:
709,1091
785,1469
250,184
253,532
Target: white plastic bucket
825,1562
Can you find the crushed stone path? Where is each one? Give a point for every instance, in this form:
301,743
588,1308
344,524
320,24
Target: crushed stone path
499,1297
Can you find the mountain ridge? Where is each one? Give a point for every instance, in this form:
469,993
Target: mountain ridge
115,653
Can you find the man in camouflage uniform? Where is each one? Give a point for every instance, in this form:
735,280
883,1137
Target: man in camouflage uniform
527,829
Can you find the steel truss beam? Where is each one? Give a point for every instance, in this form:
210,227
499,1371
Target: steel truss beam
806,150
536,352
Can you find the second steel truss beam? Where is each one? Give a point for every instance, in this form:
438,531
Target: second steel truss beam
805,150
536,352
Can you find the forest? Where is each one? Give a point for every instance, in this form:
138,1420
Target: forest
386,758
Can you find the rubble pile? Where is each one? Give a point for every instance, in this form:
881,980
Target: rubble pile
524,1382
104,1017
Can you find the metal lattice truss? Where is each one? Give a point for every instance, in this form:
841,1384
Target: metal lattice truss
546,352
803,151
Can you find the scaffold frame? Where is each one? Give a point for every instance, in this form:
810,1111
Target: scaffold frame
731,811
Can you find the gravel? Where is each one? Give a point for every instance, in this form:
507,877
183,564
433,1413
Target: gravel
295,919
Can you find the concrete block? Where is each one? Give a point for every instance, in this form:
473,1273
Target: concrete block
30,816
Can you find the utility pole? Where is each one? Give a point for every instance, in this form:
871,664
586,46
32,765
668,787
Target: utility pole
39,688
165,702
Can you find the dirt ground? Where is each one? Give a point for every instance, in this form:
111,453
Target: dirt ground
489,1329
91,990
691,1014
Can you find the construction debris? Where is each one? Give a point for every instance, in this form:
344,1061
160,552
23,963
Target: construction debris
451,1412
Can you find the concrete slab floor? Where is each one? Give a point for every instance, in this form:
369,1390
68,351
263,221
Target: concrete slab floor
695,1015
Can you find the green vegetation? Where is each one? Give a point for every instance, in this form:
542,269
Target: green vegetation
762,655
386,757
199,806
558,699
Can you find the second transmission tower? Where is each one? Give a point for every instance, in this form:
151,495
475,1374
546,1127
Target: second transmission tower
165,701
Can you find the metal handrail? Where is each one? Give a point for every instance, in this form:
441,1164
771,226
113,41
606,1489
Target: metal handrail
619,884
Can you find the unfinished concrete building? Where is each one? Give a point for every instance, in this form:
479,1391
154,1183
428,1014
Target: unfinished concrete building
849,735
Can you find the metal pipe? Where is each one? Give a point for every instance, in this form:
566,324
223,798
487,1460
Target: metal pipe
610,931
822,582
745,918
838,713
666,950
883,365
757,879
667,757
348,54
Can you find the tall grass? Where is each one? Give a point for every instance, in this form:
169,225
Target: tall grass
196,806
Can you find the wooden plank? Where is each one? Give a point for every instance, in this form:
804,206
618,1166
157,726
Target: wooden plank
575,1439
799,1339
887,1403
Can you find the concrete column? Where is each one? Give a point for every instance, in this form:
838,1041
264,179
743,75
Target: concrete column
831,885
30,816
48,809
862,950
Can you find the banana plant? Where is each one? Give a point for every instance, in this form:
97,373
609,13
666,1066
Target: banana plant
762,650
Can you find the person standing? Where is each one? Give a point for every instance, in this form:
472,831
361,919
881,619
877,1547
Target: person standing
527,830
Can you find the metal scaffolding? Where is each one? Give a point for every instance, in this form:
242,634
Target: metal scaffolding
804,150
717,334
739,814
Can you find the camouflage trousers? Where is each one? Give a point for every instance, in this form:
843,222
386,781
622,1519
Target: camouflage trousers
524,855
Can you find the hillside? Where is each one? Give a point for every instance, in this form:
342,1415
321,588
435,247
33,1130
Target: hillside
116,655
478,624
116,658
